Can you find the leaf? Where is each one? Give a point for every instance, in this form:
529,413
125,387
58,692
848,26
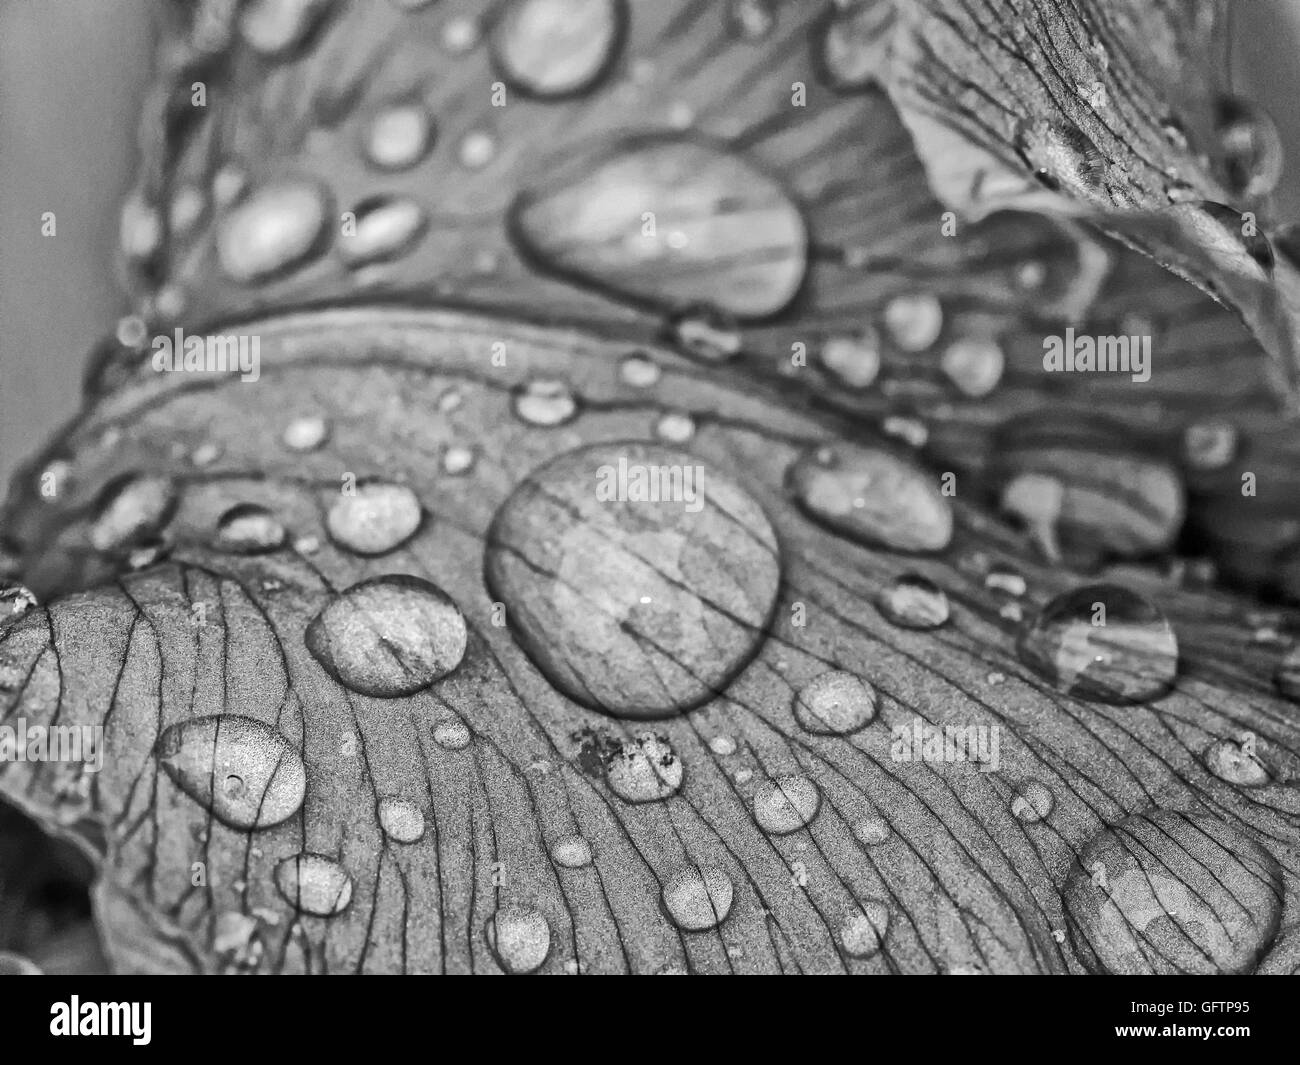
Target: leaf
610,715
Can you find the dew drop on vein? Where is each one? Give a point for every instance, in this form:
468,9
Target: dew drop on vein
314,884
834,703
571,852
452,735
519,937
697,898
240,768
863,933
401,819
1102,642
1236,763
786,804
644,769
1033,802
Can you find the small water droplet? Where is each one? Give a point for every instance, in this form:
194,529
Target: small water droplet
709,335
639,371
697,898
306,433
545,402
247,528
1062,157
863,933
751,20
872,496
477,148
389,636
1230,762
131,510
1000,580
914,602
458,460
241,769
834,703
519,938
572,852
276,228
551,49
141,230
187,207
401,819
911,431
914,321
376,518
460,35
644,769
1033,802
131,331
786,804
1102,642
1170,892
1210,445
228,184
675,427
872,831
854,360
386,227
723,746
314,884
206,454
398,136
452,735
974,365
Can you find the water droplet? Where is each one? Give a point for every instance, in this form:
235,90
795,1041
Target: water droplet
914,321
722,746
1102,642
873,497
519,937
141,230
452,735
854,360
637,580
314,884
853,43
460,35
1230,762
872,831
551,49
644,769
132,510
228,184
1062,157
707,334
675,427
697,898
242,770
974,365
914,602
863,933
277,228
1210,444
187,207
745,243
1254,155
572,852
389,636
999,580
399,136
306,434
401,819
911,431
639,371
834,703
1033,802
1230,235
477,148
786,804
249,529
545,402
206,454
376,518
1170,892
751,20
458,460
386,227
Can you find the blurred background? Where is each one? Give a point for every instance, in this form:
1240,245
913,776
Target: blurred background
71,76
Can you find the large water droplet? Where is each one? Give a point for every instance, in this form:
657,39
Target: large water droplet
545,402
374,519
670,221
244,771
1102,642
872,496
386,227
644,769
572,852
863,933
398,136
132,510
786,804
556,48
249,529
1062,157
276,228
638,580
1169,892
389,636
314,884
698,898
401,819
834,703
520,938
